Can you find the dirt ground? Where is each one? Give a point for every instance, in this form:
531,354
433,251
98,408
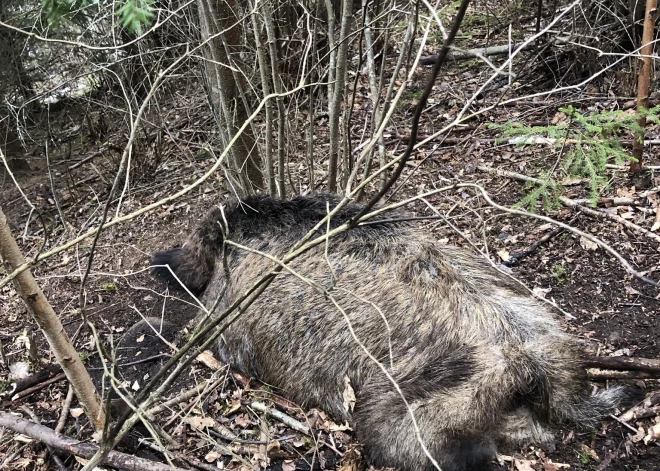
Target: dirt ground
601,304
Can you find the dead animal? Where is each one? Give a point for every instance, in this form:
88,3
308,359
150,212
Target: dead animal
478,361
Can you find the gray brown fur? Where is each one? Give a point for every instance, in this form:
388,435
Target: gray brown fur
478,360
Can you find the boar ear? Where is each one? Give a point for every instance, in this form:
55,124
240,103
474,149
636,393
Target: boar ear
161,261
184,266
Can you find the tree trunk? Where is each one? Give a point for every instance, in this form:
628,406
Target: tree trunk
643,84
338,95
43,313
221,28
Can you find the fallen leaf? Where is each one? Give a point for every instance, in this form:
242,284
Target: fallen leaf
504,255
352,460
298,442
212,456
558,118
333,427
592,454
541,292
274,450
23,463
349,467
200,423
261,460
653,434
586,244
288,465
625,192
639,436
207,359
242,420
76,412
233,407
348,395
523,465
23,438
18,370
544,227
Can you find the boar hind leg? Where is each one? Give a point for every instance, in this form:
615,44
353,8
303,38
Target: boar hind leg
390,440
521,425
459,399
383,424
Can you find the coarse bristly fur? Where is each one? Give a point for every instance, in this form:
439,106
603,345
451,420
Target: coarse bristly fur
477,359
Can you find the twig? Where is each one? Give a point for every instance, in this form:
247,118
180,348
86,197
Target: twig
649,167
624,423
628,267
219,161
624,363
263,437
38,387
282,417
414,127
186,395
516,257
226,434
478,52
11,457
75,447
614,201
236,454
35,378
66,406
36,420
104,48
136,362
52,186
642,413
95,154
513,141
573,204
462,115
180,456
43,313
599,374
651,401
610,456
602,214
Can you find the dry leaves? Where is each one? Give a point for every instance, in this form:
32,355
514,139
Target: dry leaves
348,395
524,465
200,423
588,245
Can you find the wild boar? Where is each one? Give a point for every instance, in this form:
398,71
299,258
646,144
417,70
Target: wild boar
477,359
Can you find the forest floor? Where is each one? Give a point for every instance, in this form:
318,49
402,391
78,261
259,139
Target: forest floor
611,312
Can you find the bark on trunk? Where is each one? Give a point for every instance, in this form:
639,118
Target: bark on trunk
221,28
45,316
643,84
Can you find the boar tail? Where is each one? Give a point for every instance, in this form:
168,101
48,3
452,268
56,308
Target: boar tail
591,410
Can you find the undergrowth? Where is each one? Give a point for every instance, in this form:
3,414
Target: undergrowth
588,142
